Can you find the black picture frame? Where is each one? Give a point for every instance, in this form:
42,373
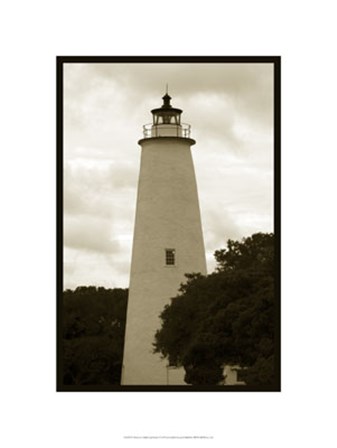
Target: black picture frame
60,61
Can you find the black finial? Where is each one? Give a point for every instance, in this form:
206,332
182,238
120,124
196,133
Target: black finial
166,99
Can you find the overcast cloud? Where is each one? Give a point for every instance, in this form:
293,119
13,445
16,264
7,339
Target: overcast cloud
230,109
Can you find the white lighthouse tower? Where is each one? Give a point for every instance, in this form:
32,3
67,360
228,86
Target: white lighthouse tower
168,241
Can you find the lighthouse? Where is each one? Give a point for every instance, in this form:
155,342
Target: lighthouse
167,243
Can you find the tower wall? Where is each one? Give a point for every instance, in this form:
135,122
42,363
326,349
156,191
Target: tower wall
167,217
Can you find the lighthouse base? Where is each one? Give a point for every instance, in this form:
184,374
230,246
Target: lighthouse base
161,375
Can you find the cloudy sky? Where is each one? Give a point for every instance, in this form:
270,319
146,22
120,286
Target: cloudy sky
230,110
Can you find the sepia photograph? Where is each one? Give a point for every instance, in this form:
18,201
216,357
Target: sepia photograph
168,223
154,287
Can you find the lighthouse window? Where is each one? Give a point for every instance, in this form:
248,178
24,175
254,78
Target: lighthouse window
170,255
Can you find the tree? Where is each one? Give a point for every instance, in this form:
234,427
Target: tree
227,317
93,335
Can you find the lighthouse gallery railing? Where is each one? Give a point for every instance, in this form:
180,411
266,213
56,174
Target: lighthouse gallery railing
167,130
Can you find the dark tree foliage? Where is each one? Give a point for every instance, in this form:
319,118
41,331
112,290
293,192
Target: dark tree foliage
93,335
227,317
